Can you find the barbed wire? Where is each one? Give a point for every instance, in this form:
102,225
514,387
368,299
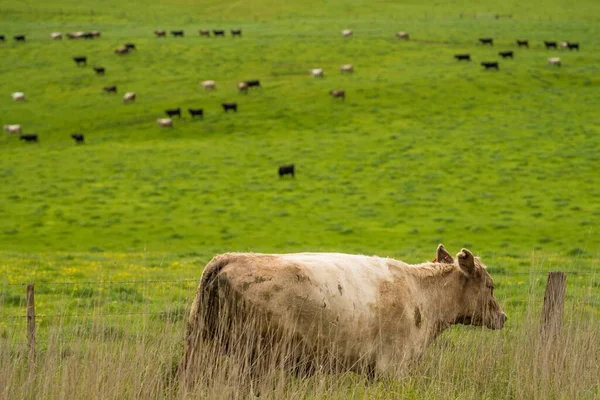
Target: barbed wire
107,282
94,315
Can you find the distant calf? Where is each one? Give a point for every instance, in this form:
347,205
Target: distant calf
347,33
80,60
243,87
209,85
56,35
317,72
196,112
173,112
160,33
165,122
229,106
463,57
490,65
253,83
204,32
100,70
15,128
506,54
122,50
489,41
522,43
129,97
177,33
573,46
130,46
286,170
19,38
554,61
236,32
347,68
218,32
78,137
403,35
339,94
110,89
550,45
18,96
32,137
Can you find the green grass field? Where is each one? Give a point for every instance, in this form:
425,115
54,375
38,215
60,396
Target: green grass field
424,150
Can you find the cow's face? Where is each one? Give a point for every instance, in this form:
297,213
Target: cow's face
478,306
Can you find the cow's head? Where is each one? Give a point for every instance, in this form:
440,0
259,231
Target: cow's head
478,305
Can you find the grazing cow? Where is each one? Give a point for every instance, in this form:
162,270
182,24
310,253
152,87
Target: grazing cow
209,85
122,50
287,170
2,38
463,57
56,35
204,32
347,68
317,72
217,32
236,32
88,35
243,87
30,137
130,46
347,33
100,70
78,137
15,128
129,97
173,111
488,40
80,61
75,35
506,54
18,96
110,89
523,43
490,65
403,35
339,94
196,112
253,83
573,46
333,312
229,106
95,34
160,33
177,33
165,122
564,45
554,61
550,45
19,38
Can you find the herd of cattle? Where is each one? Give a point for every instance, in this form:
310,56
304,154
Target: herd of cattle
243,86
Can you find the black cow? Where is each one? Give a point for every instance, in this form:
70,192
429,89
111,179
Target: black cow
489,41
490,65
80,60
31,137
506,54
110,89
177,33
173,111
573,46
463,57
130,46
253,83
19,38
236,32
88,35
523,43
196,112
286,170
2,38
550,45
217,32
100,70
229,106
78,137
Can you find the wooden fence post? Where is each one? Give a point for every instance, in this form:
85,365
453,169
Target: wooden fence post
31,328
554,304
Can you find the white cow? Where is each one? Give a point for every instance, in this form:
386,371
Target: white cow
347,68
165,122
18,96
554,61
56,35
12,128
403,35
209,85
317,72
346,32
129,97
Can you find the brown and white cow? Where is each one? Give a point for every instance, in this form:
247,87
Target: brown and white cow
338,311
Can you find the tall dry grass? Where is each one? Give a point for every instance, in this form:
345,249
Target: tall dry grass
94,359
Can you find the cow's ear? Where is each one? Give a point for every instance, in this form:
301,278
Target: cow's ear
443,256
466,262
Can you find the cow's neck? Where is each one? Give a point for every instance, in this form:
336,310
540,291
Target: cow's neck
443,285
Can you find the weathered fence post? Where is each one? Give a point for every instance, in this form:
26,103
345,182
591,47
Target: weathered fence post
31,328
554,304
